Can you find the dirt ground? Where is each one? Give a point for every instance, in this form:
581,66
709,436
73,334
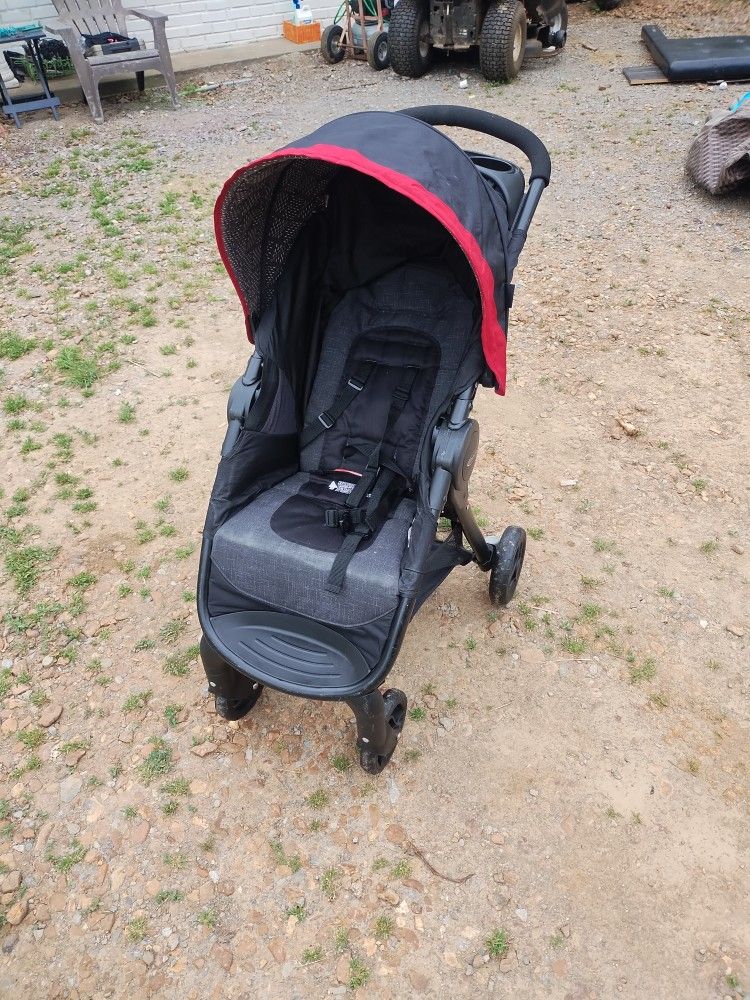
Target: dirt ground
582,756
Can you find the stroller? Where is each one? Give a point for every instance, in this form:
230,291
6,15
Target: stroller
373,260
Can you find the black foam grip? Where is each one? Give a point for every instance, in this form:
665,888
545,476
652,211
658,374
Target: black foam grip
501,128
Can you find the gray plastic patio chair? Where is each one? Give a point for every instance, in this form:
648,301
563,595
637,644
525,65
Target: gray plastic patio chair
93,17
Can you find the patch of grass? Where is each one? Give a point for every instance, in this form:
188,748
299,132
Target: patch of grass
359,974
646,671
64,862
383,927
282,858
170,714
692,765
39,698
470,644
179,664
666,592
82,581
77,369
13,405
402,870
536,533
172,630
417,714
208,918
137,929
184,551
318,799
137,701
341,763
658,699
12,346
573,646
310,955
145,643
179,475
297,911
74,745
178,786
24,566
130,812
497,944
341,940
126,413
158,763
708,548
329,883
603,545
32,739
178,860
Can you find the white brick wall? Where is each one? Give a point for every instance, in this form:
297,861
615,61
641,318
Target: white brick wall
192,24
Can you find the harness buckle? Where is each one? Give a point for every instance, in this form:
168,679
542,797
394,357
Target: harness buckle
325,419
356,383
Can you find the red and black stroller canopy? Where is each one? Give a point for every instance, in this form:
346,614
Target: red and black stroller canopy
266,204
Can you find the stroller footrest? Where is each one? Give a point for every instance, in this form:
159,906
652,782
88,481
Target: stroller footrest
295,651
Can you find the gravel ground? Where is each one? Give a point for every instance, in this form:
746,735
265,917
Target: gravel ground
582,757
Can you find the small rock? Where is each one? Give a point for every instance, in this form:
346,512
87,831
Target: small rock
737,549
148,957
48,661
203,749
17,913
49,715
565,930
342,970
522,913
737,630
70,787
11,882
389,895
278,950
222,956
630,429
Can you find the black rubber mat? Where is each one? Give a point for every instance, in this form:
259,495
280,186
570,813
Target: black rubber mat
692,59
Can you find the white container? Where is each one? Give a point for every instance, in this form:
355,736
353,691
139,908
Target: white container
304,15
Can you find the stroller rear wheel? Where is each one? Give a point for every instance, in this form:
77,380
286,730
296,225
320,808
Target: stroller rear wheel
507,563
234,693
394,703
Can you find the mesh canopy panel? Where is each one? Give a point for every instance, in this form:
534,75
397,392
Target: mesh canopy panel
261,218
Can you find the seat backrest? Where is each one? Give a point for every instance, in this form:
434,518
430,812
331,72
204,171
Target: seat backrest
413,327
92,17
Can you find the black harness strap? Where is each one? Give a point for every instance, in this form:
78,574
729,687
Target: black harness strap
325,420
376,481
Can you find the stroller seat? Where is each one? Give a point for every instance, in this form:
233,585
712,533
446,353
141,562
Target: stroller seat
290,573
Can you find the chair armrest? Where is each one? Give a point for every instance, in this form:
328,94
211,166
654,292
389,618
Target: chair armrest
67,31
146,14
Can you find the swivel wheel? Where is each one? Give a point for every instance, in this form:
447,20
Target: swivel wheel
395,716
506,566
233,709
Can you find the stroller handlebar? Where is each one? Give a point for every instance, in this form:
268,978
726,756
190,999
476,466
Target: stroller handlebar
501,128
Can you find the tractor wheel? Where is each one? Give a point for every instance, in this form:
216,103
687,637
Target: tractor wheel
502,44
409,38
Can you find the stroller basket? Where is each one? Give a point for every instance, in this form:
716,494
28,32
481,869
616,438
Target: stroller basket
374,261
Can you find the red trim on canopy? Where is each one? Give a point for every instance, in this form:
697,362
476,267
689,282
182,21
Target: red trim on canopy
493,335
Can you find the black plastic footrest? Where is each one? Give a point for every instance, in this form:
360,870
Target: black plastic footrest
292,652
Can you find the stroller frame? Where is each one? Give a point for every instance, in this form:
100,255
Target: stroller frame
380,716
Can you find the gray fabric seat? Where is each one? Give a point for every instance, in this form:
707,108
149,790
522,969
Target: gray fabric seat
257,561
265,567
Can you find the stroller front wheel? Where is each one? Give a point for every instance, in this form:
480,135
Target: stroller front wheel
375,759
507,563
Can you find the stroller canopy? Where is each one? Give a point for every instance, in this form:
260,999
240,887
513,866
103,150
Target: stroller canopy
265,206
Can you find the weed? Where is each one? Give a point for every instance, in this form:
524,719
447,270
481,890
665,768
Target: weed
417,714
145,643
590,582
359,974
692,766
536,533
82,581
168,349
708,548
645,672
666,592
13,347
341,763
169,896
126,414
329,882
383,927
171,712
179,664
137,701
318,799
470,644
178,861
603,545
402,870
497,944
659,700
179,475
158,763
15,404
77,369
298,911
32,739
208,918
178,786
72,746
341,940
130,812
282,858
732,981
557,940
172,630
64,862
24,566
699,485
39,698
612,813
310,955
137,929
713,664
573,646
184,551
